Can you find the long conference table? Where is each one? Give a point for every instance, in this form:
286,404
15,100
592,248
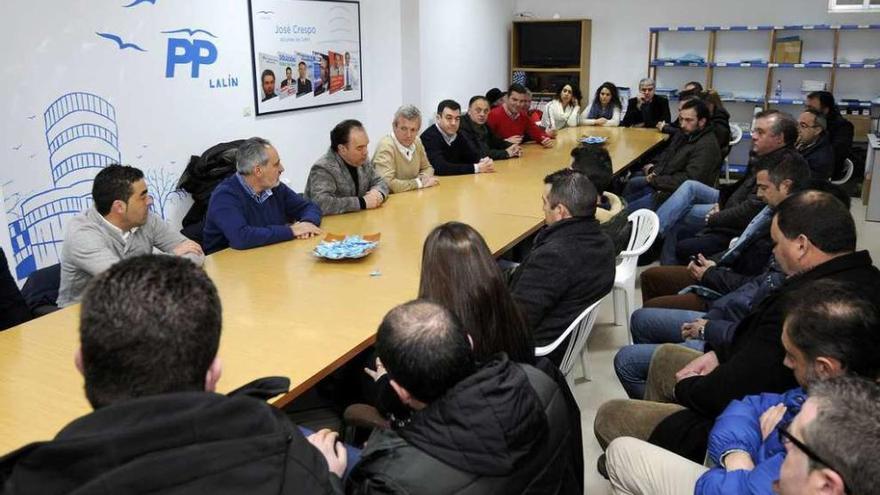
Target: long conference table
287,313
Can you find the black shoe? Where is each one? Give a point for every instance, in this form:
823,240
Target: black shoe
652,254
600,466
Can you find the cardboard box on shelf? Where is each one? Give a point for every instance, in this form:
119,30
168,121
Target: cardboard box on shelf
789,52
861,127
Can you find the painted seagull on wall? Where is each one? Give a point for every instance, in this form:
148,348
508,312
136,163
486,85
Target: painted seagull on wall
122,45
138,2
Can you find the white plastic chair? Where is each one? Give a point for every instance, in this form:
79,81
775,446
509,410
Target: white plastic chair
847,172
579,330
736,135
645,228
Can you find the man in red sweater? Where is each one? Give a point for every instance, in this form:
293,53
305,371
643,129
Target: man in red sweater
508,122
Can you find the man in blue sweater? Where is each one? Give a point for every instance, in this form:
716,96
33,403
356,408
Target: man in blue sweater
830,330
253,208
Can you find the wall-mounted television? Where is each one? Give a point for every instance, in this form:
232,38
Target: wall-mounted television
549,44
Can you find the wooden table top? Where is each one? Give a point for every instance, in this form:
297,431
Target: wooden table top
287,313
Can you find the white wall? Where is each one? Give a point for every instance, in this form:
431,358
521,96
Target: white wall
464,49
49,52
410,51
413,51
620,27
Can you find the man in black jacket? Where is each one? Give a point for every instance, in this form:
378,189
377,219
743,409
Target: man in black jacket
815,238
149,333
689,211
571,264
448,151
840,130
774,139
501,427
13,308
647,109
693,154
813,143
481,138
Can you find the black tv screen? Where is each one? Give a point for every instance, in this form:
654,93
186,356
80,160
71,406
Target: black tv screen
550,44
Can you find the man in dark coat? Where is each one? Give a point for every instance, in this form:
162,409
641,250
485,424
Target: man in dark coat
693,154
647,109
481,138
571,264
449,152
499,428
815,238
813,143
840,130
149,333
13,308
700,219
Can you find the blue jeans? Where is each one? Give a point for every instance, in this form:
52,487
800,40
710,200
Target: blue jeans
353,453
683,215
638,194
650,328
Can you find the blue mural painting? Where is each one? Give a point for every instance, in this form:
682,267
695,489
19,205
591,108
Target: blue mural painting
122,45
162,187
138,2
82,136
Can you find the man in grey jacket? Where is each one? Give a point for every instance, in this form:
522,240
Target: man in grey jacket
118,225
344,180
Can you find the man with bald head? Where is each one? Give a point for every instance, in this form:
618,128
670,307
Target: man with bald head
474,128
431,366
813,143
343,179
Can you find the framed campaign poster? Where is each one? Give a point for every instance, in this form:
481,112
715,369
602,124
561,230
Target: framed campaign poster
305,53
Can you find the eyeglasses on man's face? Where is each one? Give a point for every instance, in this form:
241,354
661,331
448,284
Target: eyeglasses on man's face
785,437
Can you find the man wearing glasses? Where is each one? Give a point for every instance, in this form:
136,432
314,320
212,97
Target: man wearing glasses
813,143
831,445
830,331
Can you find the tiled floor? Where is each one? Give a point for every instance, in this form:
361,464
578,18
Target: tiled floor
607,338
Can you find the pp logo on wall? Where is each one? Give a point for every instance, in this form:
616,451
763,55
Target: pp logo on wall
189,51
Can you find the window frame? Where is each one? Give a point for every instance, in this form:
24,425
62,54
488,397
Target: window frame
866,6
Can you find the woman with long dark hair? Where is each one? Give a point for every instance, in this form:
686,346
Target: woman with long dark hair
459,272
606,107
564,110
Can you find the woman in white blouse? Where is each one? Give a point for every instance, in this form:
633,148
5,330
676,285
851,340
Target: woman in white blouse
605,110
563,111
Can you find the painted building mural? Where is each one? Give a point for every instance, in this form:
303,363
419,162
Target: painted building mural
81,137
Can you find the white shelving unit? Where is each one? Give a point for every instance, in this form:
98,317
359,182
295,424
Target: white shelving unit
740,63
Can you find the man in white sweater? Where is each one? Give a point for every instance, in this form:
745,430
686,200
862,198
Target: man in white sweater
118,225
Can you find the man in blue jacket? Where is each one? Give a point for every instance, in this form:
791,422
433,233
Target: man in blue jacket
830,330
253,208
832,443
